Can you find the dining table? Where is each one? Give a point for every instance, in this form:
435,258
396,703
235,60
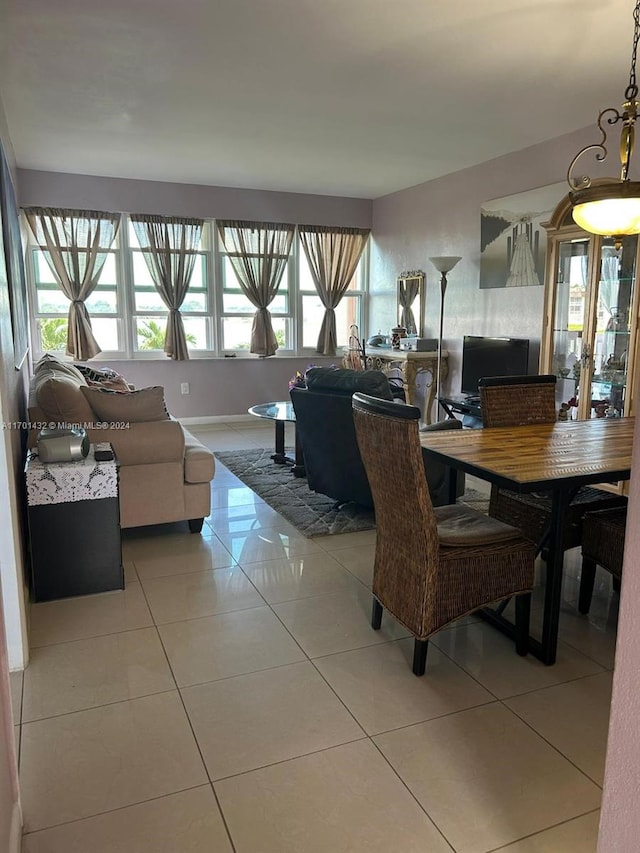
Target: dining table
556,458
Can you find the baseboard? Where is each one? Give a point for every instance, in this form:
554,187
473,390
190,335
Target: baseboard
15,836
218,419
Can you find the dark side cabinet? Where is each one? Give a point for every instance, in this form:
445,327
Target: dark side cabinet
74,527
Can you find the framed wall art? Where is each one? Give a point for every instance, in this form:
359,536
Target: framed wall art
512,240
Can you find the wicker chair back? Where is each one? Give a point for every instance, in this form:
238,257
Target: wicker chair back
517,400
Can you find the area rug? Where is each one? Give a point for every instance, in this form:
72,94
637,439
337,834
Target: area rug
309,512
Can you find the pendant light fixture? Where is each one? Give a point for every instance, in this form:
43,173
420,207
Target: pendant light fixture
611,206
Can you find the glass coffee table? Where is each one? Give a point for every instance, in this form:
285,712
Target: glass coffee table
281,413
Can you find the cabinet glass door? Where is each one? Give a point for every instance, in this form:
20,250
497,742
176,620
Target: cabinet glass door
614,303
572,280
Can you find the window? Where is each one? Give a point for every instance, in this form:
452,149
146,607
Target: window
237,311
52,306
348,312
129,318
149,313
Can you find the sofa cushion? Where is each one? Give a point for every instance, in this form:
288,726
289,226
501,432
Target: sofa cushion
146,404
50,364
59,397
345,381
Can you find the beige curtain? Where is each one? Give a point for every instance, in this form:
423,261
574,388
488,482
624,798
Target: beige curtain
407,292
75,245
333,255
170,247
258,253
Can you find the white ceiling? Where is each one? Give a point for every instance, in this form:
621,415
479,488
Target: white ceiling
339,97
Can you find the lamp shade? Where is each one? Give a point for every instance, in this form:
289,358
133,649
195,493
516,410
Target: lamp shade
611,209
445,263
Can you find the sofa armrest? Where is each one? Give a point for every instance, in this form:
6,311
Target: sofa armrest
144,443
199,461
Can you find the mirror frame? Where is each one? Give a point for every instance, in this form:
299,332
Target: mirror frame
411,276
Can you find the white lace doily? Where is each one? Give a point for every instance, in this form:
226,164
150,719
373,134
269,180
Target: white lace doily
67,482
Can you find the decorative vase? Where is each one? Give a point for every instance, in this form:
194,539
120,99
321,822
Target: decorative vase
397,333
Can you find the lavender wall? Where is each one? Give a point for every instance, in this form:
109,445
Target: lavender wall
221,386
442,217
620,818
128,196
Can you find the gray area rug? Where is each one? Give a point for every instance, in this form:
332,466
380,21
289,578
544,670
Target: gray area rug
309,512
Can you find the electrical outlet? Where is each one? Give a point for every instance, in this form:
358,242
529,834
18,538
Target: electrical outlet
184,388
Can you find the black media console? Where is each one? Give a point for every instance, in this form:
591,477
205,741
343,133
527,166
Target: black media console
465,405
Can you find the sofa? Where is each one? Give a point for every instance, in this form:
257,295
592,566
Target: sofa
164,471
325,429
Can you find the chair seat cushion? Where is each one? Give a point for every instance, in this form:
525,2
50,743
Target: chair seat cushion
460,526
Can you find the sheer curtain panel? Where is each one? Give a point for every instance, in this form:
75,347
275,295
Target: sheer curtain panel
258,252
170,248
333,255
75,244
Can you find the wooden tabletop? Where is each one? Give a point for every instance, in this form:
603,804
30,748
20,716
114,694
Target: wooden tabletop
536,456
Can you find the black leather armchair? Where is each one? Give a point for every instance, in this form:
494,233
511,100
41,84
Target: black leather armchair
325,429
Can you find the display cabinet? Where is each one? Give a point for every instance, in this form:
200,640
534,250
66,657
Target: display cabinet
590,330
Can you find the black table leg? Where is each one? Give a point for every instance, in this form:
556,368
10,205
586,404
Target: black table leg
298,469
452,495
280,457
546,648
553,589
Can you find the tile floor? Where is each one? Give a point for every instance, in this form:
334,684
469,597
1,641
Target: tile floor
234,698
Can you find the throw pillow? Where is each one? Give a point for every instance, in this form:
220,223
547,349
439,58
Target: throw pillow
103,377
146,404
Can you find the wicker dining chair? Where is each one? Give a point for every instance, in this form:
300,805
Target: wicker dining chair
602,545
521,400
432,566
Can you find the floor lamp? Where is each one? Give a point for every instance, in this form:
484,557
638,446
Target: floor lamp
443,265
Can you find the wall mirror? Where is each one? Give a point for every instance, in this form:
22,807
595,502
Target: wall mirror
411,302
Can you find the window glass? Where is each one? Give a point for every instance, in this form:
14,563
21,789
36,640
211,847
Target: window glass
237,303
52,301
150,333
52,334
236,332
102,301
313,312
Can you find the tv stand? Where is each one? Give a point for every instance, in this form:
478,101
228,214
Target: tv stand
465,405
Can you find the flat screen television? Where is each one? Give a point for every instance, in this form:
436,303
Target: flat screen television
482,356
